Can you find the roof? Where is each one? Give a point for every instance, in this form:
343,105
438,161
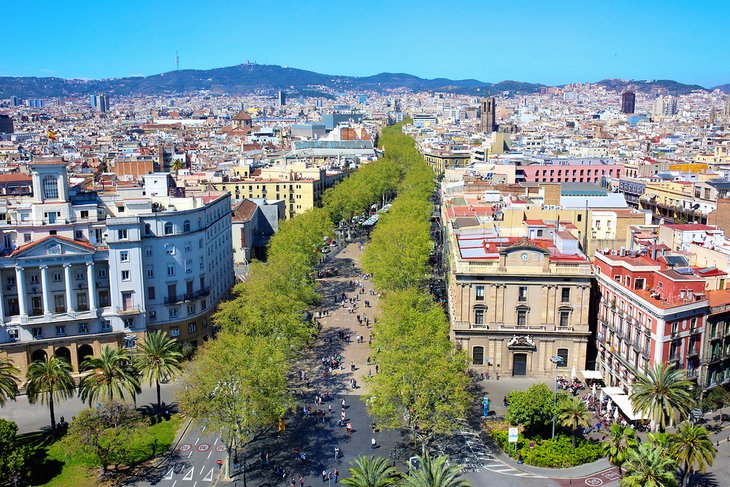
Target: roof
242,115
15,177
718,298
244,211
25,247
688,227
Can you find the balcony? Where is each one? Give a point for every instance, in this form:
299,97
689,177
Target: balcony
129,310
181,298
693,352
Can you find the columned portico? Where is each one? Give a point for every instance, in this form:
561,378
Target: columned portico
20,281
67,279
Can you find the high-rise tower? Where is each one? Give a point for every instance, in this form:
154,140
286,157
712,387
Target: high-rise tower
628,102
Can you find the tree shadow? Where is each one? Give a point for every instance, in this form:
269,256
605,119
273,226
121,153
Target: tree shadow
41,469
705,480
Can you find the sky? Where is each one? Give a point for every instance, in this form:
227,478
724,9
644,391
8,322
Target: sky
543,41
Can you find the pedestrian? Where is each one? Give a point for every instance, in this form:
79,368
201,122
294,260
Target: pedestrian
373,443
343,403
324,475
329,408
293,484
337,452
301,481
337,475
376,368
349,429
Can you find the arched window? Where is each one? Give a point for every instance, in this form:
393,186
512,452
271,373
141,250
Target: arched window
168,228
147,229
50,187
186,226
477,355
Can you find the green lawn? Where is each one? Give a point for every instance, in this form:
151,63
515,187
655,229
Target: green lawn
56,467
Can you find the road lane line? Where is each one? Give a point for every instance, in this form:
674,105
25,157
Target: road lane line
189,454
209,454
173,484
196,441
216,441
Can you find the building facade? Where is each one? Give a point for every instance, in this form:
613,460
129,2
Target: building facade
628,102
83,270
516,302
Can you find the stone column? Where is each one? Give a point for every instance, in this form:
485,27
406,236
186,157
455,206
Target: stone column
91,285
20,283
45,292
2,305
69,289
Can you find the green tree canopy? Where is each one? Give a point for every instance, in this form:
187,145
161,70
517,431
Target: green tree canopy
112,376
533,408
621,440
8,380
663,394
648,467
692,448
158,359
48,381
372,472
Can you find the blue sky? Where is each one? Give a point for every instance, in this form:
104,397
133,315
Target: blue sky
546,41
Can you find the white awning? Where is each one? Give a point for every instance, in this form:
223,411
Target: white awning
624,403
613,391
592,375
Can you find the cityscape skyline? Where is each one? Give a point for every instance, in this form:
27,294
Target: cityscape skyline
577,43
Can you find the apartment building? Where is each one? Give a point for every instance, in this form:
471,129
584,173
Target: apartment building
652,310
81,270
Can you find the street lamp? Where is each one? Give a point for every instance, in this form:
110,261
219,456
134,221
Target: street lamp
557,360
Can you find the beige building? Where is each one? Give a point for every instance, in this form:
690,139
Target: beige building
515,302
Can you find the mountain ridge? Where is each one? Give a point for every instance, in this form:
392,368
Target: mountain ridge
263,78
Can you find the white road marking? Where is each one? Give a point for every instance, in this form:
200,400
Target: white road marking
216,441
173,484
169,474
196,441
209,454
209,476
189,454
201,470
189,475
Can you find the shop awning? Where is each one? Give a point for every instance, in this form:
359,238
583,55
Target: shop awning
613,391
624,404
592,375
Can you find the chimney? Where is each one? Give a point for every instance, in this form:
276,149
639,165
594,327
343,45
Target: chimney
653,249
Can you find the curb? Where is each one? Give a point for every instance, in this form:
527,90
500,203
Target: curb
175,443
554,473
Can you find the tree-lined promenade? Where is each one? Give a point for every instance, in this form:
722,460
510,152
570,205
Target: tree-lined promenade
241,383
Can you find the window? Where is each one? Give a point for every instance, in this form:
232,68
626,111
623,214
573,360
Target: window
78,234
174,331
13,334
564,319
522,317
26,237
563,354
168,228
124,256
565,295
102,273
128,323
103,298
59,302
477,355
125,276
522,293
106,325
170,269
188,266
37,332
152,315
83,328
170,249
150,272
188,246
480,293
148,251
83,305
122,234
186,226
205,323
200,243
151,292
580,217
80,275
173,312
191,308
61,330
479,316
50,187
57,277
147,229
192,327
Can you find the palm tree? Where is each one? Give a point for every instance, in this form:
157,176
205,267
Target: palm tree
176,165
372,472
159,358
621,440
572,413
49,380
692,448
8,380
648,467
663,394
436,472
112,375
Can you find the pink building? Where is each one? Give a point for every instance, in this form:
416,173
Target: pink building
571,171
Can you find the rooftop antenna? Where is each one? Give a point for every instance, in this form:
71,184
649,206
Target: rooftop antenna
177,61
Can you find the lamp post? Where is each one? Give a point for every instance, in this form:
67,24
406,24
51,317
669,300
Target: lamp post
557,360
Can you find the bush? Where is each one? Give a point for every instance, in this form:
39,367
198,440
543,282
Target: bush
559,453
